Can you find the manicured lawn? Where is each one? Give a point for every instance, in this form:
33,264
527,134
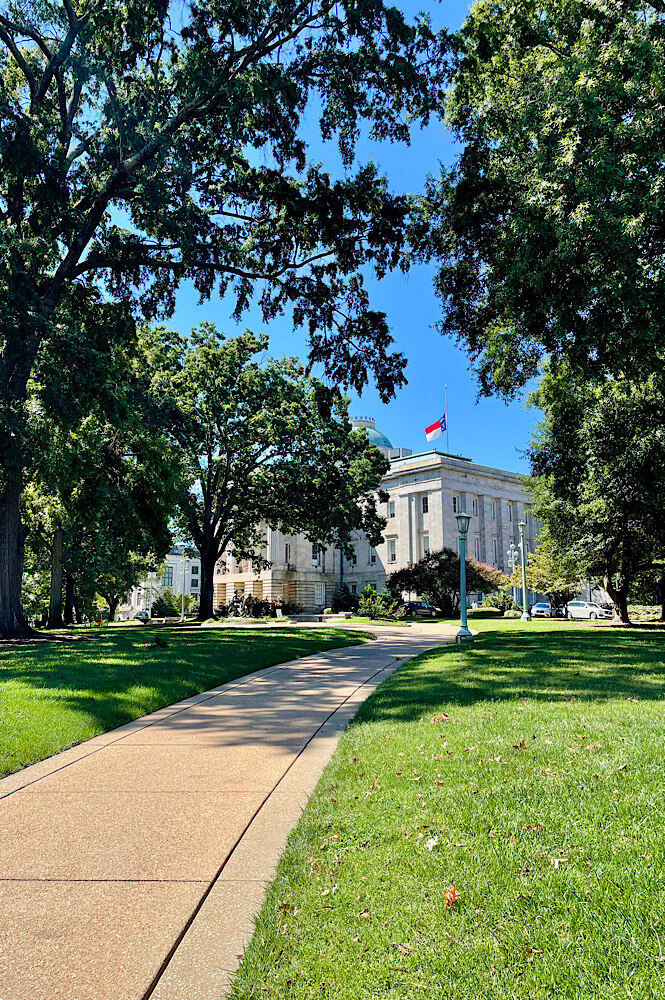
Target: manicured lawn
54,695
540,799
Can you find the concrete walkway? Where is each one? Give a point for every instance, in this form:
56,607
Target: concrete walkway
131,866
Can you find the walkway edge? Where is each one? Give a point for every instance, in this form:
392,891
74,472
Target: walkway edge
203,961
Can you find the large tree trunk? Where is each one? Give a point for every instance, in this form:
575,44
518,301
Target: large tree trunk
208,560
69,599
619,597
113,607
662,597
55,619
12,620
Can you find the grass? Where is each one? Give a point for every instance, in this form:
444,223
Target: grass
54,695
540,799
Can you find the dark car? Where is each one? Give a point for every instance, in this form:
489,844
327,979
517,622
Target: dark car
142,616
418,608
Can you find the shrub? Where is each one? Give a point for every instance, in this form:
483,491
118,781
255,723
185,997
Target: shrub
512,614
381,605
644,612
484,612
344,600
500,600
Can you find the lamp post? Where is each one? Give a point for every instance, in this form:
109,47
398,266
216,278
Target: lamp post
463,635
525,617
185,561
511,557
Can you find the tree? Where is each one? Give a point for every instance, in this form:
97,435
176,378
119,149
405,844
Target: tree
261,445
549,227
598,459
435,577
143,147
552,571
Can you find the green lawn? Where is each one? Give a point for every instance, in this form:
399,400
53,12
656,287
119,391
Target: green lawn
54,695
540,799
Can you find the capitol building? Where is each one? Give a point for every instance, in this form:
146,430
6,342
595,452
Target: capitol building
426,490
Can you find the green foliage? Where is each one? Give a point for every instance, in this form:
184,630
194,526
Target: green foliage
344,600
436,578
378,605
166,605
501,600
261,444
512,614
484,612
549,229
552,570
645,612
598,459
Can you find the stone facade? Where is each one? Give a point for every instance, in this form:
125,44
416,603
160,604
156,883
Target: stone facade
425,492
177,571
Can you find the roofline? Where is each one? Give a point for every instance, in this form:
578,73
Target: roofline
457,458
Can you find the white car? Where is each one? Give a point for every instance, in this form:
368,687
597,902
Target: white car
586,609
541,610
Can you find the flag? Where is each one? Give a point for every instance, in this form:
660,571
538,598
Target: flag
436,430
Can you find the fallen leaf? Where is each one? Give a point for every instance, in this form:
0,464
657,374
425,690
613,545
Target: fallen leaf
624,767
520,746
441,717
439,783
534,951
632,699
365,915
558,861
450,896
431,843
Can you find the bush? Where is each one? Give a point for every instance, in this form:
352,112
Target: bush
381,605
344,600
500,600
512,614
644,612
484,612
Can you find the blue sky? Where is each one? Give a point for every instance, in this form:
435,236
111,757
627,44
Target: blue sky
487,430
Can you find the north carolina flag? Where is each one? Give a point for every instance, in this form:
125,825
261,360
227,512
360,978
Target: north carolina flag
436,430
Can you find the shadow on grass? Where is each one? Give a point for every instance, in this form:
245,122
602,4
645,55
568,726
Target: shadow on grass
118,676
590,665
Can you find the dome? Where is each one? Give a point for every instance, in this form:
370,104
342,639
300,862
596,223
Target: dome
375,437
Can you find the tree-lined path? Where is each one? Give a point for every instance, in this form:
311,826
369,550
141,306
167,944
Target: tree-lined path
131,864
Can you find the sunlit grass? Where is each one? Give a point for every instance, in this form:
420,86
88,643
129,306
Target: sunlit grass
526,771
54,695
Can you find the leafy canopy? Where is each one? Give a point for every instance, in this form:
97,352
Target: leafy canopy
549,228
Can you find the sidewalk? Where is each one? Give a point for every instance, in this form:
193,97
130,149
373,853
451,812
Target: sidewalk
131,865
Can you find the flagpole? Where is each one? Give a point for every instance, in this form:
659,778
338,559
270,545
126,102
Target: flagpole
447,443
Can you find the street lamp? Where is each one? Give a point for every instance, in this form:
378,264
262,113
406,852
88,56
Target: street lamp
512,557
525,617
463,635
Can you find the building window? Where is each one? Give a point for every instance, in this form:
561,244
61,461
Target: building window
287,553
495,554
371,585
492,509
354,558
455,505
320,594
167,579
195,570
316,555
425,504
391,509
425,545
474,508
372,555
510,512
476,548
392,550
353,588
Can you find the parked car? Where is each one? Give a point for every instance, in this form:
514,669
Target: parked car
542,610
142,616
587,609
418,608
